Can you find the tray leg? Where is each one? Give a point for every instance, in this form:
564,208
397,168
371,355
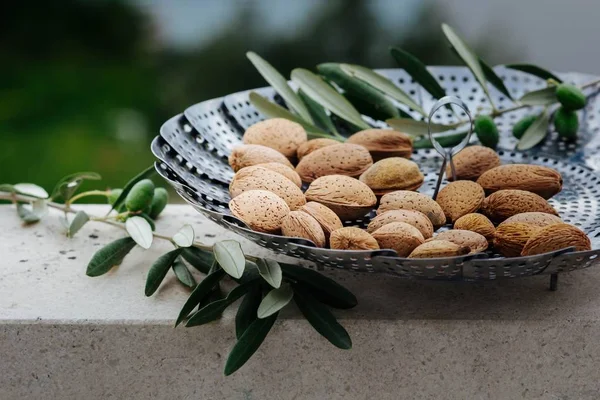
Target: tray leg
553,282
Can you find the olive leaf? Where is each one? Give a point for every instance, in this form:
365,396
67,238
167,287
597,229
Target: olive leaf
110,255
230,257
68,185
540,97
202,290
78,222
270,271
247,312
30,189
142,175
7,187
383,84
326,290
26,214
494,79
198,258
159,270
272,110
318,113
279,83
183,274
327,96
417,128
185,236
322,319
418,71
275,300
449,140
468,56
536,132
247,345
213,310
534,70
140,230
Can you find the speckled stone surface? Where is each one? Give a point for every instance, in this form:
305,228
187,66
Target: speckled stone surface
66,336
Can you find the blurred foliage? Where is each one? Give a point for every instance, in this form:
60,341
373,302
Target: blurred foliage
86,85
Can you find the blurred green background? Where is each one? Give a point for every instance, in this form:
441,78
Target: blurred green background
86,84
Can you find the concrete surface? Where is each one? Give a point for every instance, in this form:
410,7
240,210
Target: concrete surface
66,336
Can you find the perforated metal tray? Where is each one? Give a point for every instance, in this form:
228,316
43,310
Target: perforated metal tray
192,150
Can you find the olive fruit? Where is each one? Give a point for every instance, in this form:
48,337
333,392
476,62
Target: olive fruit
522,125
566,123
159,202
570,97
140,196
486,131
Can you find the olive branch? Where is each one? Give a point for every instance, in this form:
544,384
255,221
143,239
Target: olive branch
264,285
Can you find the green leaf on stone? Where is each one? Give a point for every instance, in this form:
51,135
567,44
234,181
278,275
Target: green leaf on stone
279,83
327,96
418,72
534,70
68,185
140,230
198,258
270,271
247,312
30,189
202,290
324,322
417,128
78,222
185,236
275,300
535,133
541,97
110,255
26,214
230,257
247,345
183,274
159,270
148,172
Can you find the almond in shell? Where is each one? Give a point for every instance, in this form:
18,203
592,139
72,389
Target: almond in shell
476,223
438,249
280,134
538,179
383,143
314,144
555,237
247,155
460,198
399,236
504,204
472,162
328,220
390,174
261,210
407,200
284,170
473,240
340,159
259,178
535,218
511,237
411,217
348,197
351,238
301,225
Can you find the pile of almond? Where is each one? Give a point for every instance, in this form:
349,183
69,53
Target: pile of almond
489,204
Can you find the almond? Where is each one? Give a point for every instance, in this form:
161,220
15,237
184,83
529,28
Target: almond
328,220
280,134
555,237
348,197
472,162
259,178
504,204
351,238
246,155
535,218
301,225
315,144
473,240
407,200
411,217
399,236
340,159
392,174
511,237
383,143
438,249
261,210
460,198
284,170
476,223
538,179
